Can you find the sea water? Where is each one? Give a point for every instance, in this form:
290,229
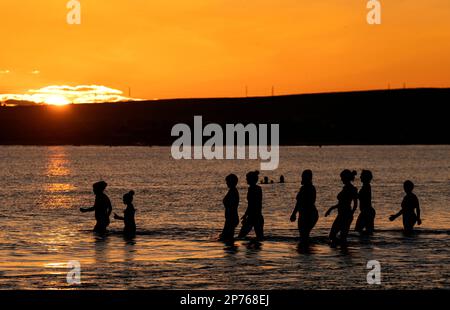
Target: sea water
180,215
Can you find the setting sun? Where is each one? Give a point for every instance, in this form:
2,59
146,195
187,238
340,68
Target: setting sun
56,100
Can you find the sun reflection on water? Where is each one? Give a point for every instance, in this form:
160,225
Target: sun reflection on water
58,173
58,162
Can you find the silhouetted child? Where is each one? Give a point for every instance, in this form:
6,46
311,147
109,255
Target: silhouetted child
410,208
253,217
306,207
344,218
282,180
231,204
102,207
128,218
365,222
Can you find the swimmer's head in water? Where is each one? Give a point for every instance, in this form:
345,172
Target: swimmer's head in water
408,186
366,176
99,187
307,177
348,176
128,197
252,177
232,180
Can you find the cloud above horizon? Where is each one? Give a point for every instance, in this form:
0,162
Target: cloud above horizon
64,94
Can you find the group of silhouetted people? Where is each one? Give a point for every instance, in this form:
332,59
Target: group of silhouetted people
348,201
103,209
253,218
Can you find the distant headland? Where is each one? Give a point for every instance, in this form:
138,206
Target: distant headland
404,116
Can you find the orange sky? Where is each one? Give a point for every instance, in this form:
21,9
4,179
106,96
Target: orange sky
204,48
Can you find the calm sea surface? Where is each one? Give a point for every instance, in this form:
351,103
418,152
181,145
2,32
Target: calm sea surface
180,214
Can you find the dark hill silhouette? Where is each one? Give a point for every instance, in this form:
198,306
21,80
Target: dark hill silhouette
410,116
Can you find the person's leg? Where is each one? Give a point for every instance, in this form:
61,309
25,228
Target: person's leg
129,231
100,226
313,221
246,228
345,228
302,229
408,223
231,233
300,226
97,228
307,221
259,228
371,222
226,231
335,229
360,223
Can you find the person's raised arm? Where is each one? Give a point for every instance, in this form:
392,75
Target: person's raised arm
395,216
84,210
117,217
330,210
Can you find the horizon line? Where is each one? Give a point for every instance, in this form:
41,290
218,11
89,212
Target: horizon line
5,103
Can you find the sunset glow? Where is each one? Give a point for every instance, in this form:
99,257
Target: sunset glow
210,48
64,95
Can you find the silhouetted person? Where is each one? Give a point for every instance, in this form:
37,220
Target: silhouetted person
266,180
365,222
344,218
306,207
231,204
253,217
102,207
129,229
410,209
282,180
